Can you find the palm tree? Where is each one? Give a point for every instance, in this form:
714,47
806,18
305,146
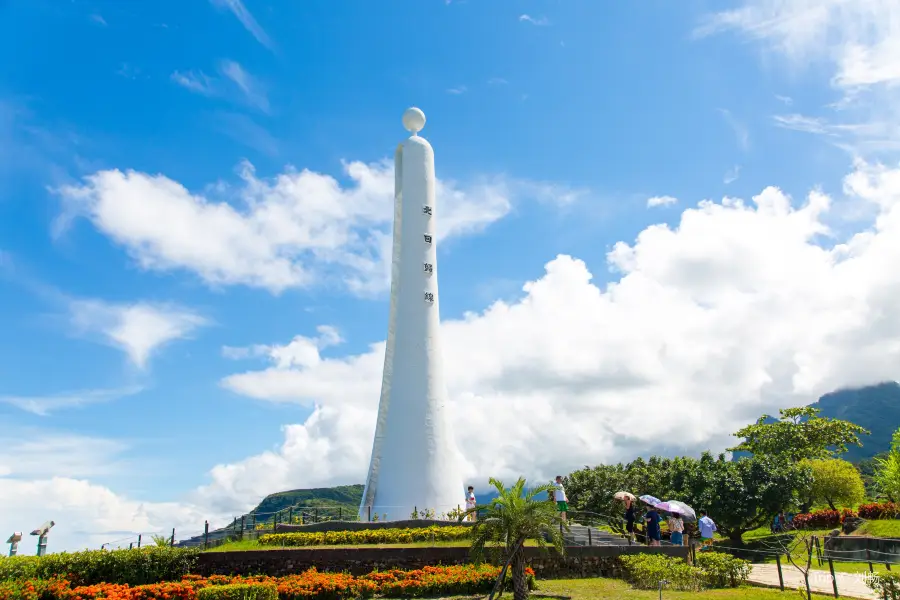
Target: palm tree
514,516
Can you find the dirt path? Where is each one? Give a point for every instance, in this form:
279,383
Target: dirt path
850,585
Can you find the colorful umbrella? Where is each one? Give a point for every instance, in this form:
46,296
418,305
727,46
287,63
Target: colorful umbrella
623,495
674,506
651,500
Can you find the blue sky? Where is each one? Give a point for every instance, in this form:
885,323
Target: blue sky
553,124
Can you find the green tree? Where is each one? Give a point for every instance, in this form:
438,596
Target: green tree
516,515
887,471
744,494
799,433
835,482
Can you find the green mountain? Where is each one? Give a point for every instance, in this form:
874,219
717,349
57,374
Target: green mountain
344,499
875,407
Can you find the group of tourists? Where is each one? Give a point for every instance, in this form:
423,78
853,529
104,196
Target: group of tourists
652,532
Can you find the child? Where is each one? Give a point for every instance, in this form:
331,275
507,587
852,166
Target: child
676,528
470,503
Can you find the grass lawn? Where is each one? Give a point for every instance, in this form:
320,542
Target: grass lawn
613,589
887,528
763,540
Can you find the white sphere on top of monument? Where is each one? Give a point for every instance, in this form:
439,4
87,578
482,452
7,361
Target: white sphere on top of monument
413,119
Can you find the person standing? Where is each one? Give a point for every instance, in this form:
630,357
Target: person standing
676,529
707,528
629,517
470,504
653,533
559,494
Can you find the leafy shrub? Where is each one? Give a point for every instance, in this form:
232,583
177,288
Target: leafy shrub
883,510
819,519
886,585
239,591
722,570
645,571
132,567
366,536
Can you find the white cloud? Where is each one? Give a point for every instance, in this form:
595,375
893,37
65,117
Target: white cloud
458,90
858,39
243,15
540,21
35,454
295,230
98,19
742,309
661,201
45,405
137,329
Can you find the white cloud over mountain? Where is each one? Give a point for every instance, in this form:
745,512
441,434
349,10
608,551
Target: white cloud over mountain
295,230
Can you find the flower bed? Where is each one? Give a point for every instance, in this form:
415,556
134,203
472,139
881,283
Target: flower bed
366,536
429,581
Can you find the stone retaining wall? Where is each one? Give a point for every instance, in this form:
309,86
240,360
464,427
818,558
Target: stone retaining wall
853,547
579,561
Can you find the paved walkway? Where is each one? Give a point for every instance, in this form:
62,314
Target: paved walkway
850,585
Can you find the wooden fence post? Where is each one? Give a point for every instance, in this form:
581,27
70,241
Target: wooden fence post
242,526
869,557
173,537
780,576
206,535
139,540
833,578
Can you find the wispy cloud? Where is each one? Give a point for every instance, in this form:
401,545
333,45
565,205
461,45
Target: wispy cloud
541,21
45,405
253,91
246,18
732,174
243,129
137,329
497,81
661,201
196,82
787,100
803,123
456,91
98,19
243,86
739,129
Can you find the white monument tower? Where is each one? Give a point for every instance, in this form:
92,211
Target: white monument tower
414,459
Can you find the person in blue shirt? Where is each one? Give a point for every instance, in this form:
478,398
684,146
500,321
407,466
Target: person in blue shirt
707,528
653,534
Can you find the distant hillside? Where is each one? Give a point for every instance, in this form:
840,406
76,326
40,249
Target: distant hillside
347,497
876,407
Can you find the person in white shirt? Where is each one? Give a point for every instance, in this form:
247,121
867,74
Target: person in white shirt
470,503
560,496
707,528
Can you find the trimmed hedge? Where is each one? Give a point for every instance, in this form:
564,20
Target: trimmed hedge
239,591
645,571
876,510
366,536
712,570
722,570
139,566
819,519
